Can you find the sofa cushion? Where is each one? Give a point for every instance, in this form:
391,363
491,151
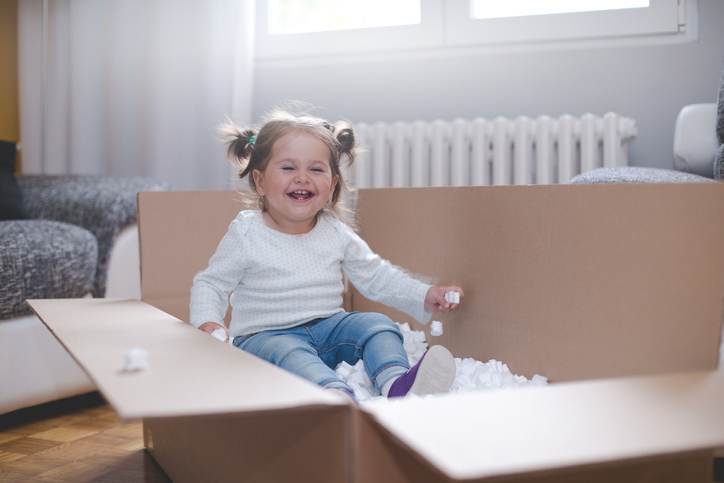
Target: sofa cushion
11,199
103,205
43,259
634,174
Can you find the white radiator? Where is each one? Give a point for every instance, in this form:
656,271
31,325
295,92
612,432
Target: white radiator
501,151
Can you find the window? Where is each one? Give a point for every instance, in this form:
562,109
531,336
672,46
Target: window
517,21
295,16
299,28
522,8
324,27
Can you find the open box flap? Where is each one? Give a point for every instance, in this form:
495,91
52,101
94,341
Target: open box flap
569,281
537,429
189,372
179,231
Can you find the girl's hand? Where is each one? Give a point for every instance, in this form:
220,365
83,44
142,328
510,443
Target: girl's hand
209,327
435,298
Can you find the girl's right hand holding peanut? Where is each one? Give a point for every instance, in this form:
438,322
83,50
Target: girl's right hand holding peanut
210,327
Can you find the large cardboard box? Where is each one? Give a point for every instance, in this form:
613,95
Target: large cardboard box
614,292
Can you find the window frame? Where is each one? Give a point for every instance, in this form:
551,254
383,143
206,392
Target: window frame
427,34
662,17
448,25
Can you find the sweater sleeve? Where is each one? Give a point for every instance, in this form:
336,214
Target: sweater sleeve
379,280
212,286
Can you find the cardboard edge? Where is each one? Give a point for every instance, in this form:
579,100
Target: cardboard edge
596,467
438,473
301,408
140,251
132,416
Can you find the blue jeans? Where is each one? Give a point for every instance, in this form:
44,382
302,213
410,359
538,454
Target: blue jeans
314,349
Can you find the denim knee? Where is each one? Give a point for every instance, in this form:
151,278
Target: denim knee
291,351
376,323
275,348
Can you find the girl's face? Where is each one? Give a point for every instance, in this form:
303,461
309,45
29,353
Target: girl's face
297,182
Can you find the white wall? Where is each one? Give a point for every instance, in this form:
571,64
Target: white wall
649,83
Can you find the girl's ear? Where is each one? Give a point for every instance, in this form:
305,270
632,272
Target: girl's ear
258,177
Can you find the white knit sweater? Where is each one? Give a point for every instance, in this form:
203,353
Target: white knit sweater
277,280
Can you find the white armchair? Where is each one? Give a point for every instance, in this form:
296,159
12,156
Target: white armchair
695,140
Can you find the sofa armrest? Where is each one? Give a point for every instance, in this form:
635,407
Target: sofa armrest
695,140
44,259
103,205
124,266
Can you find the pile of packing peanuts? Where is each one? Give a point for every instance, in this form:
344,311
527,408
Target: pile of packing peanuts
471,375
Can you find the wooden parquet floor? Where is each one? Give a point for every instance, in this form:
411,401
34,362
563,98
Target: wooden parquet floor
74,445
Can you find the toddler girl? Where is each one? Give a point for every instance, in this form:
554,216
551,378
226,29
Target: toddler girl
283,266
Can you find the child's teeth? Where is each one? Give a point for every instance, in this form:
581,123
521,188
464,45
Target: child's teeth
302,193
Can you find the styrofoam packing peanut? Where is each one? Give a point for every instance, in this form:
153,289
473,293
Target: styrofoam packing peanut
471,375
135,359
435,328
452,297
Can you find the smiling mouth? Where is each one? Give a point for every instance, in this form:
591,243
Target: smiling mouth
300,195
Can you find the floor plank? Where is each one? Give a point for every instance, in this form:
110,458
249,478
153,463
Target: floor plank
79,444
7,456
64,434
5,437
27,446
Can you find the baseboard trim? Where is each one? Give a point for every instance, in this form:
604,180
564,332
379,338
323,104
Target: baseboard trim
51,409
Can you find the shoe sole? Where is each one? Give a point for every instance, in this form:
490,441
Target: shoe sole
436,372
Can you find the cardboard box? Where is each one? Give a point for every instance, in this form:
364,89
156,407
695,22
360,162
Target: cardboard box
614,292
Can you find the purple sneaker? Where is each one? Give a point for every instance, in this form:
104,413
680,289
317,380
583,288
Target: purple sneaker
434,373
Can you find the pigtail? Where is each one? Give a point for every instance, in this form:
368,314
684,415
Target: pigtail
240,145
343,197
344,135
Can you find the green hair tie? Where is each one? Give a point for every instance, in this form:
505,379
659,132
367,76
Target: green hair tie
252,139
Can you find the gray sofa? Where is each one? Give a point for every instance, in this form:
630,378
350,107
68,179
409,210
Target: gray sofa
80,239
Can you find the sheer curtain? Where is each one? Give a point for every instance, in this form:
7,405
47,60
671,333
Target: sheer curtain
133,87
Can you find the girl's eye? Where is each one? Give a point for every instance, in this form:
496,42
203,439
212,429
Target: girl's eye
318,170
287,168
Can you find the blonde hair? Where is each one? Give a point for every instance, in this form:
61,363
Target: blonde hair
250,149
